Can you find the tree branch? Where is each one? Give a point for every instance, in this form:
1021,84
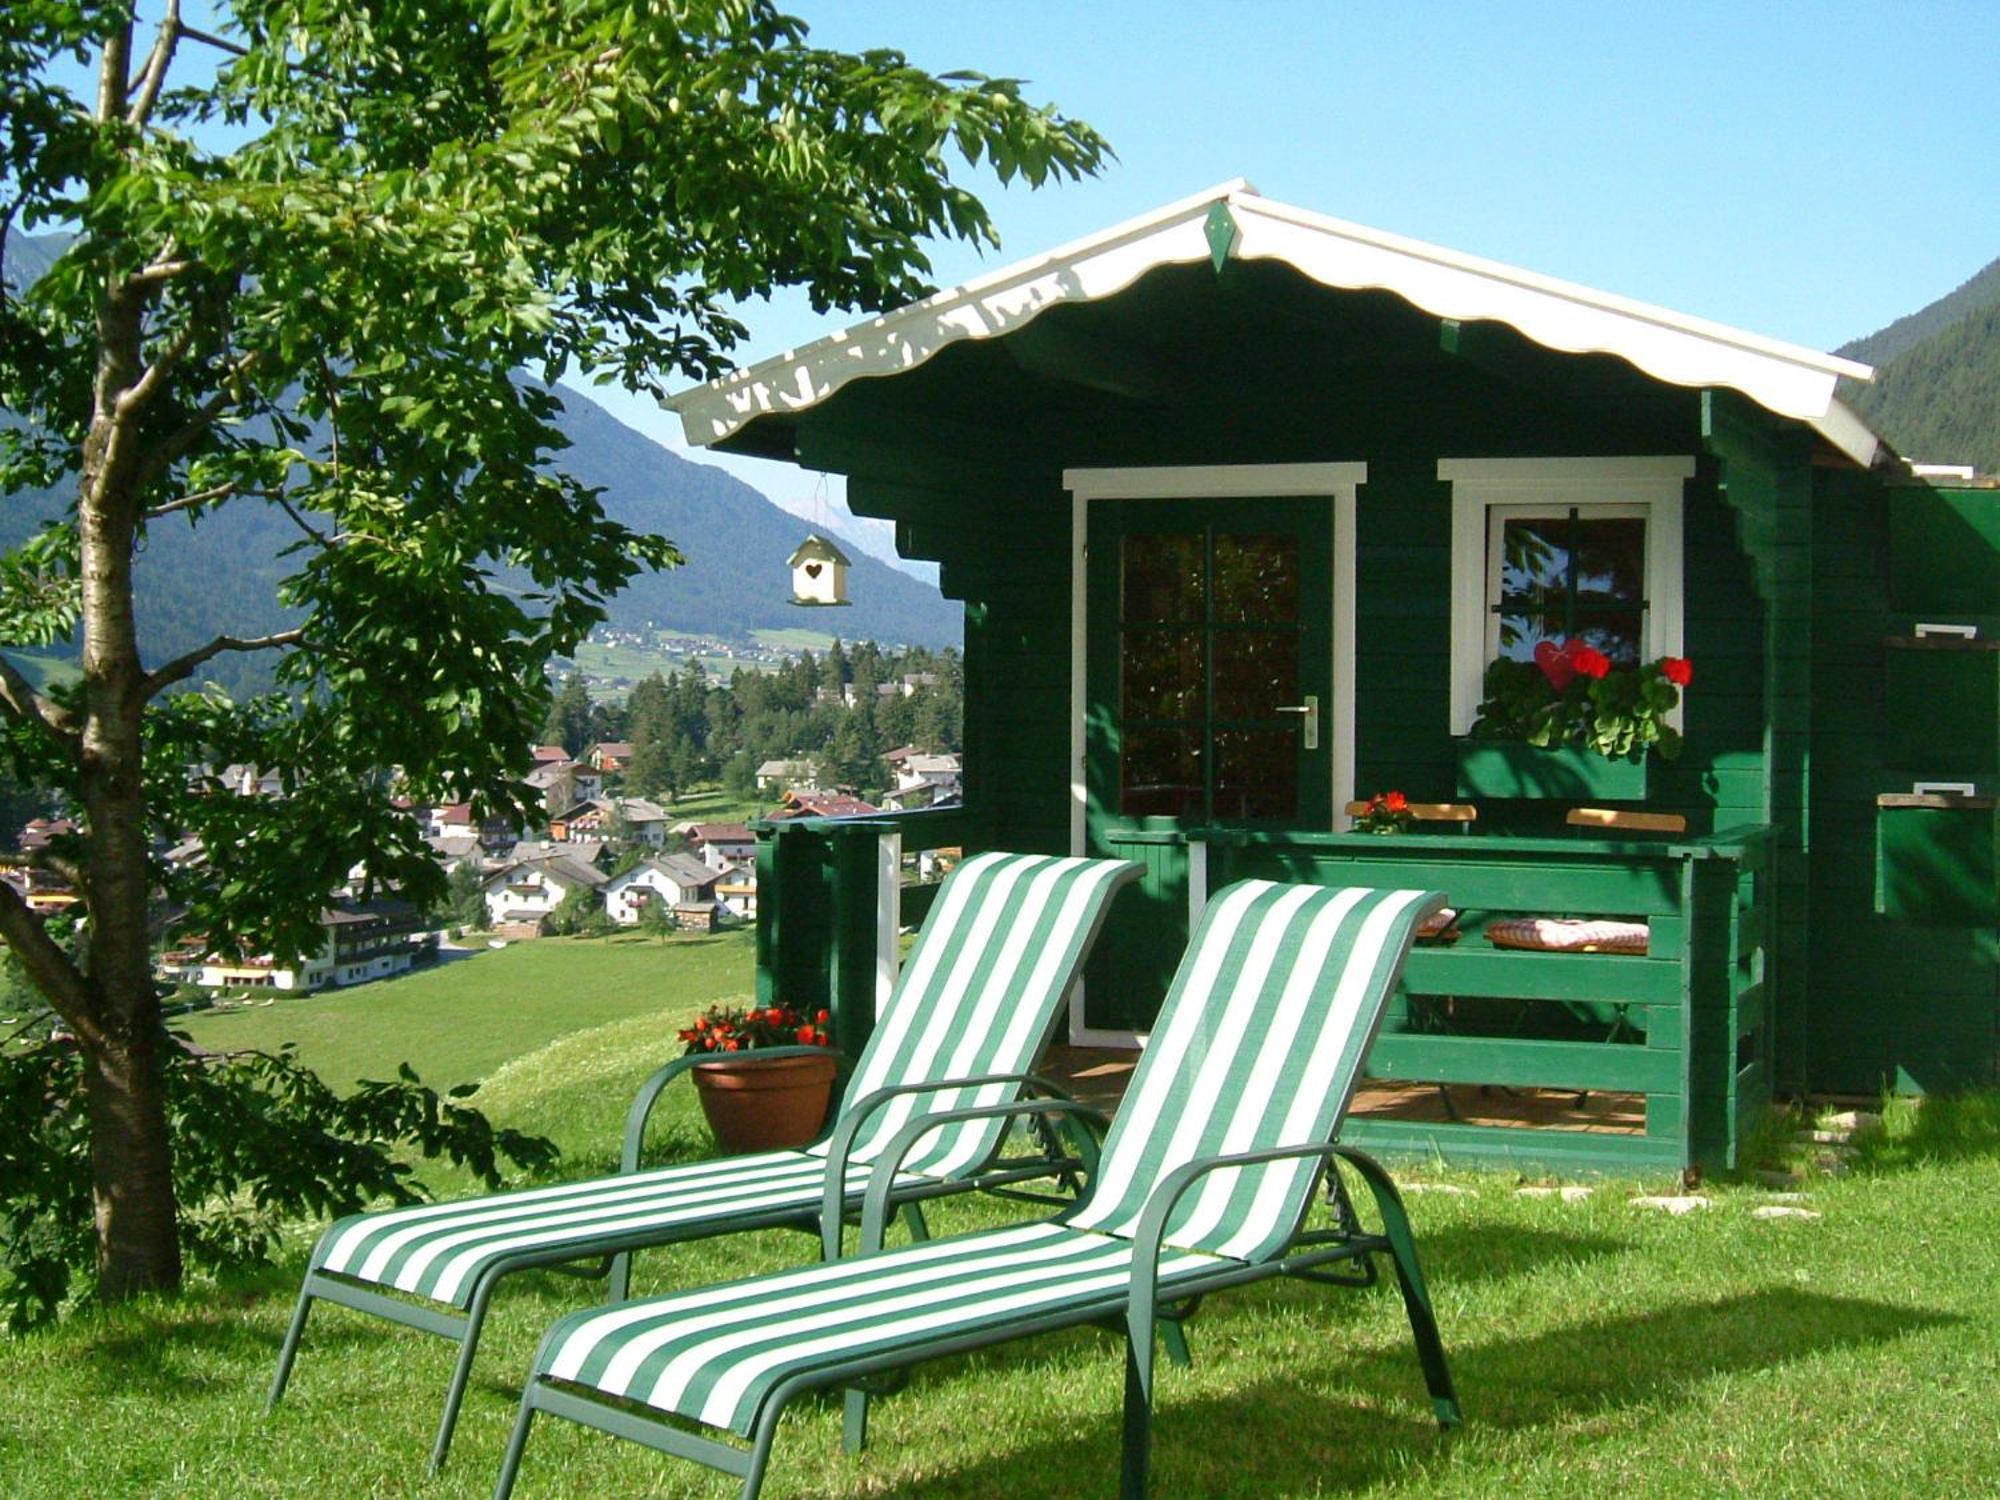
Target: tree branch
189,502
51,970
174,446
300,521
183,666
20,702
155,74
142,390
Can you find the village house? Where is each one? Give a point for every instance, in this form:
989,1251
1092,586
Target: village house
365,940
779,775
1249,508
737,890
678,881
722,846
636,819
803,804
525,891
609,756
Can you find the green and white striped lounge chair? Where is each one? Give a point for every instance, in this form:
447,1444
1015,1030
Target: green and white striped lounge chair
975,1002
1204,1183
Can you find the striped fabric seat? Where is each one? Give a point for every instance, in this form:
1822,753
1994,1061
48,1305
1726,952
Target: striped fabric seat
978,996
1259,1047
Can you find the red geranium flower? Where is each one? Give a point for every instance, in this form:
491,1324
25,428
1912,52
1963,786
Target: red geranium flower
1588,660
1677,669
1396,802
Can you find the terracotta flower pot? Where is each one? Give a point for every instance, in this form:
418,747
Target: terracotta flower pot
764,1104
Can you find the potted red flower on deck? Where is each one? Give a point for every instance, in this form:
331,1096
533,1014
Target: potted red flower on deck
761,1103
1385,812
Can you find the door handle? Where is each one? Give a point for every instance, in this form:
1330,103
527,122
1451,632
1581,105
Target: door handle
1310,708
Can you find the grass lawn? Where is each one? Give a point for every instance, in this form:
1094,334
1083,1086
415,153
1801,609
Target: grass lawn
461,1020
1600,1349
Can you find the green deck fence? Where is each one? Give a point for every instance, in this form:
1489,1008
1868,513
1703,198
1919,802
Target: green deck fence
1690,1025
830,902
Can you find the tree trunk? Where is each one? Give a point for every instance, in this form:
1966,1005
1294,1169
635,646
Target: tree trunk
138,1245
138,1238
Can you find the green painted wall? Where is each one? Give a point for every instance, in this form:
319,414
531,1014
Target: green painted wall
1786,588
1893,1003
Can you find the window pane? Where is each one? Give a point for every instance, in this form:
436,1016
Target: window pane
1256,774
1256,578
1160,774
1162,672
1255,672
1561,577
1163,576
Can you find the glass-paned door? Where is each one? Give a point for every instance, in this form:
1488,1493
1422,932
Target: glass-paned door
1207,695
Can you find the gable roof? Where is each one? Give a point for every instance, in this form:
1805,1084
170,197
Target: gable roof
1234,220
557,869
682,869
722,833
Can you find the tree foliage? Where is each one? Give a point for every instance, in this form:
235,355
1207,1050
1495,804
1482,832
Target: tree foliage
257,1139
309,282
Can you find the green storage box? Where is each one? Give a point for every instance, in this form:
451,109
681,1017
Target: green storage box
1941,702
1935,859
1944,549
1509,768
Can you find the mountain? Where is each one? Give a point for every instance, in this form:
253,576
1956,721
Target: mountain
1905,333
1936,392
735,540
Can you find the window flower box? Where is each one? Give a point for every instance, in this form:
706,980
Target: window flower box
1514,768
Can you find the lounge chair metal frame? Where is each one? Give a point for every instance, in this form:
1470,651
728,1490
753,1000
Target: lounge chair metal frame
609,1256
1138,1310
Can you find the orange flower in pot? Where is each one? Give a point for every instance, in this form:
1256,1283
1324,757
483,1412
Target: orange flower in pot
762,1103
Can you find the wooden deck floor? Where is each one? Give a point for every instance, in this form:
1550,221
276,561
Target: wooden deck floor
1098,1075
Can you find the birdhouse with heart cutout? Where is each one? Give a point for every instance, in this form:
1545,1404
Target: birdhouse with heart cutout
819,573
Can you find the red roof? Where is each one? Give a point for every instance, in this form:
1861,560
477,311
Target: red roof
824,805
543,753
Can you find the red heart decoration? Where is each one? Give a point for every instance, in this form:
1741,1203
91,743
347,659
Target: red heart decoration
1555,663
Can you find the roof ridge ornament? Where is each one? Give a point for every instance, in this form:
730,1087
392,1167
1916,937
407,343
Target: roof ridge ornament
1222,232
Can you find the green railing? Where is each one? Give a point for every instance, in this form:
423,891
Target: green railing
831,900
1690,1025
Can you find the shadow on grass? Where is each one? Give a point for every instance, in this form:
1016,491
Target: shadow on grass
1326,1420
1939,1129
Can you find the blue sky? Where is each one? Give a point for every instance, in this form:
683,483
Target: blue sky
1807,171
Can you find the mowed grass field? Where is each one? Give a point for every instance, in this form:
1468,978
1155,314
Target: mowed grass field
1600,1349
459,1021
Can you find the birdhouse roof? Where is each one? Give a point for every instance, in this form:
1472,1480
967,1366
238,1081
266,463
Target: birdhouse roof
817,548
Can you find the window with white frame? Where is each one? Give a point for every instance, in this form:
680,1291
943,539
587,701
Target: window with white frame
1547,549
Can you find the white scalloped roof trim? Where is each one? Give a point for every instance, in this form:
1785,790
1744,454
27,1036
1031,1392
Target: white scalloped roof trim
1787,379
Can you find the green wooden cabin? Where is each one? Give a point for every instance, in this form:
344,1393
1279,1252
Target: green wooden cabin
1236,497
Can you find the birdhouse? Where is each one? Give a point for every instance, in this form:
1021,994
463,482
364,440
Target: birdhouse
819,573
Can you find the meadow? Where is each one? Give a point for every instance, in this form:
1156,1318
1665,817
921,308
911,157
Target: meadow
1599,1348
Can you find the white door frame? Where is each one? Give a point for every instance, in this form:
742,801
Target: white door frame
1336,483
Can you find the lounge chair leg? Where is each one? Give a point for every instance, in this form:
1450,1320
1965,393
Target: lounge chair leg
760,1450
854,1421
1416,1296
913,1220
1173,1333
620,1288
468,1345
511,1464
290,1351
1138,1449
